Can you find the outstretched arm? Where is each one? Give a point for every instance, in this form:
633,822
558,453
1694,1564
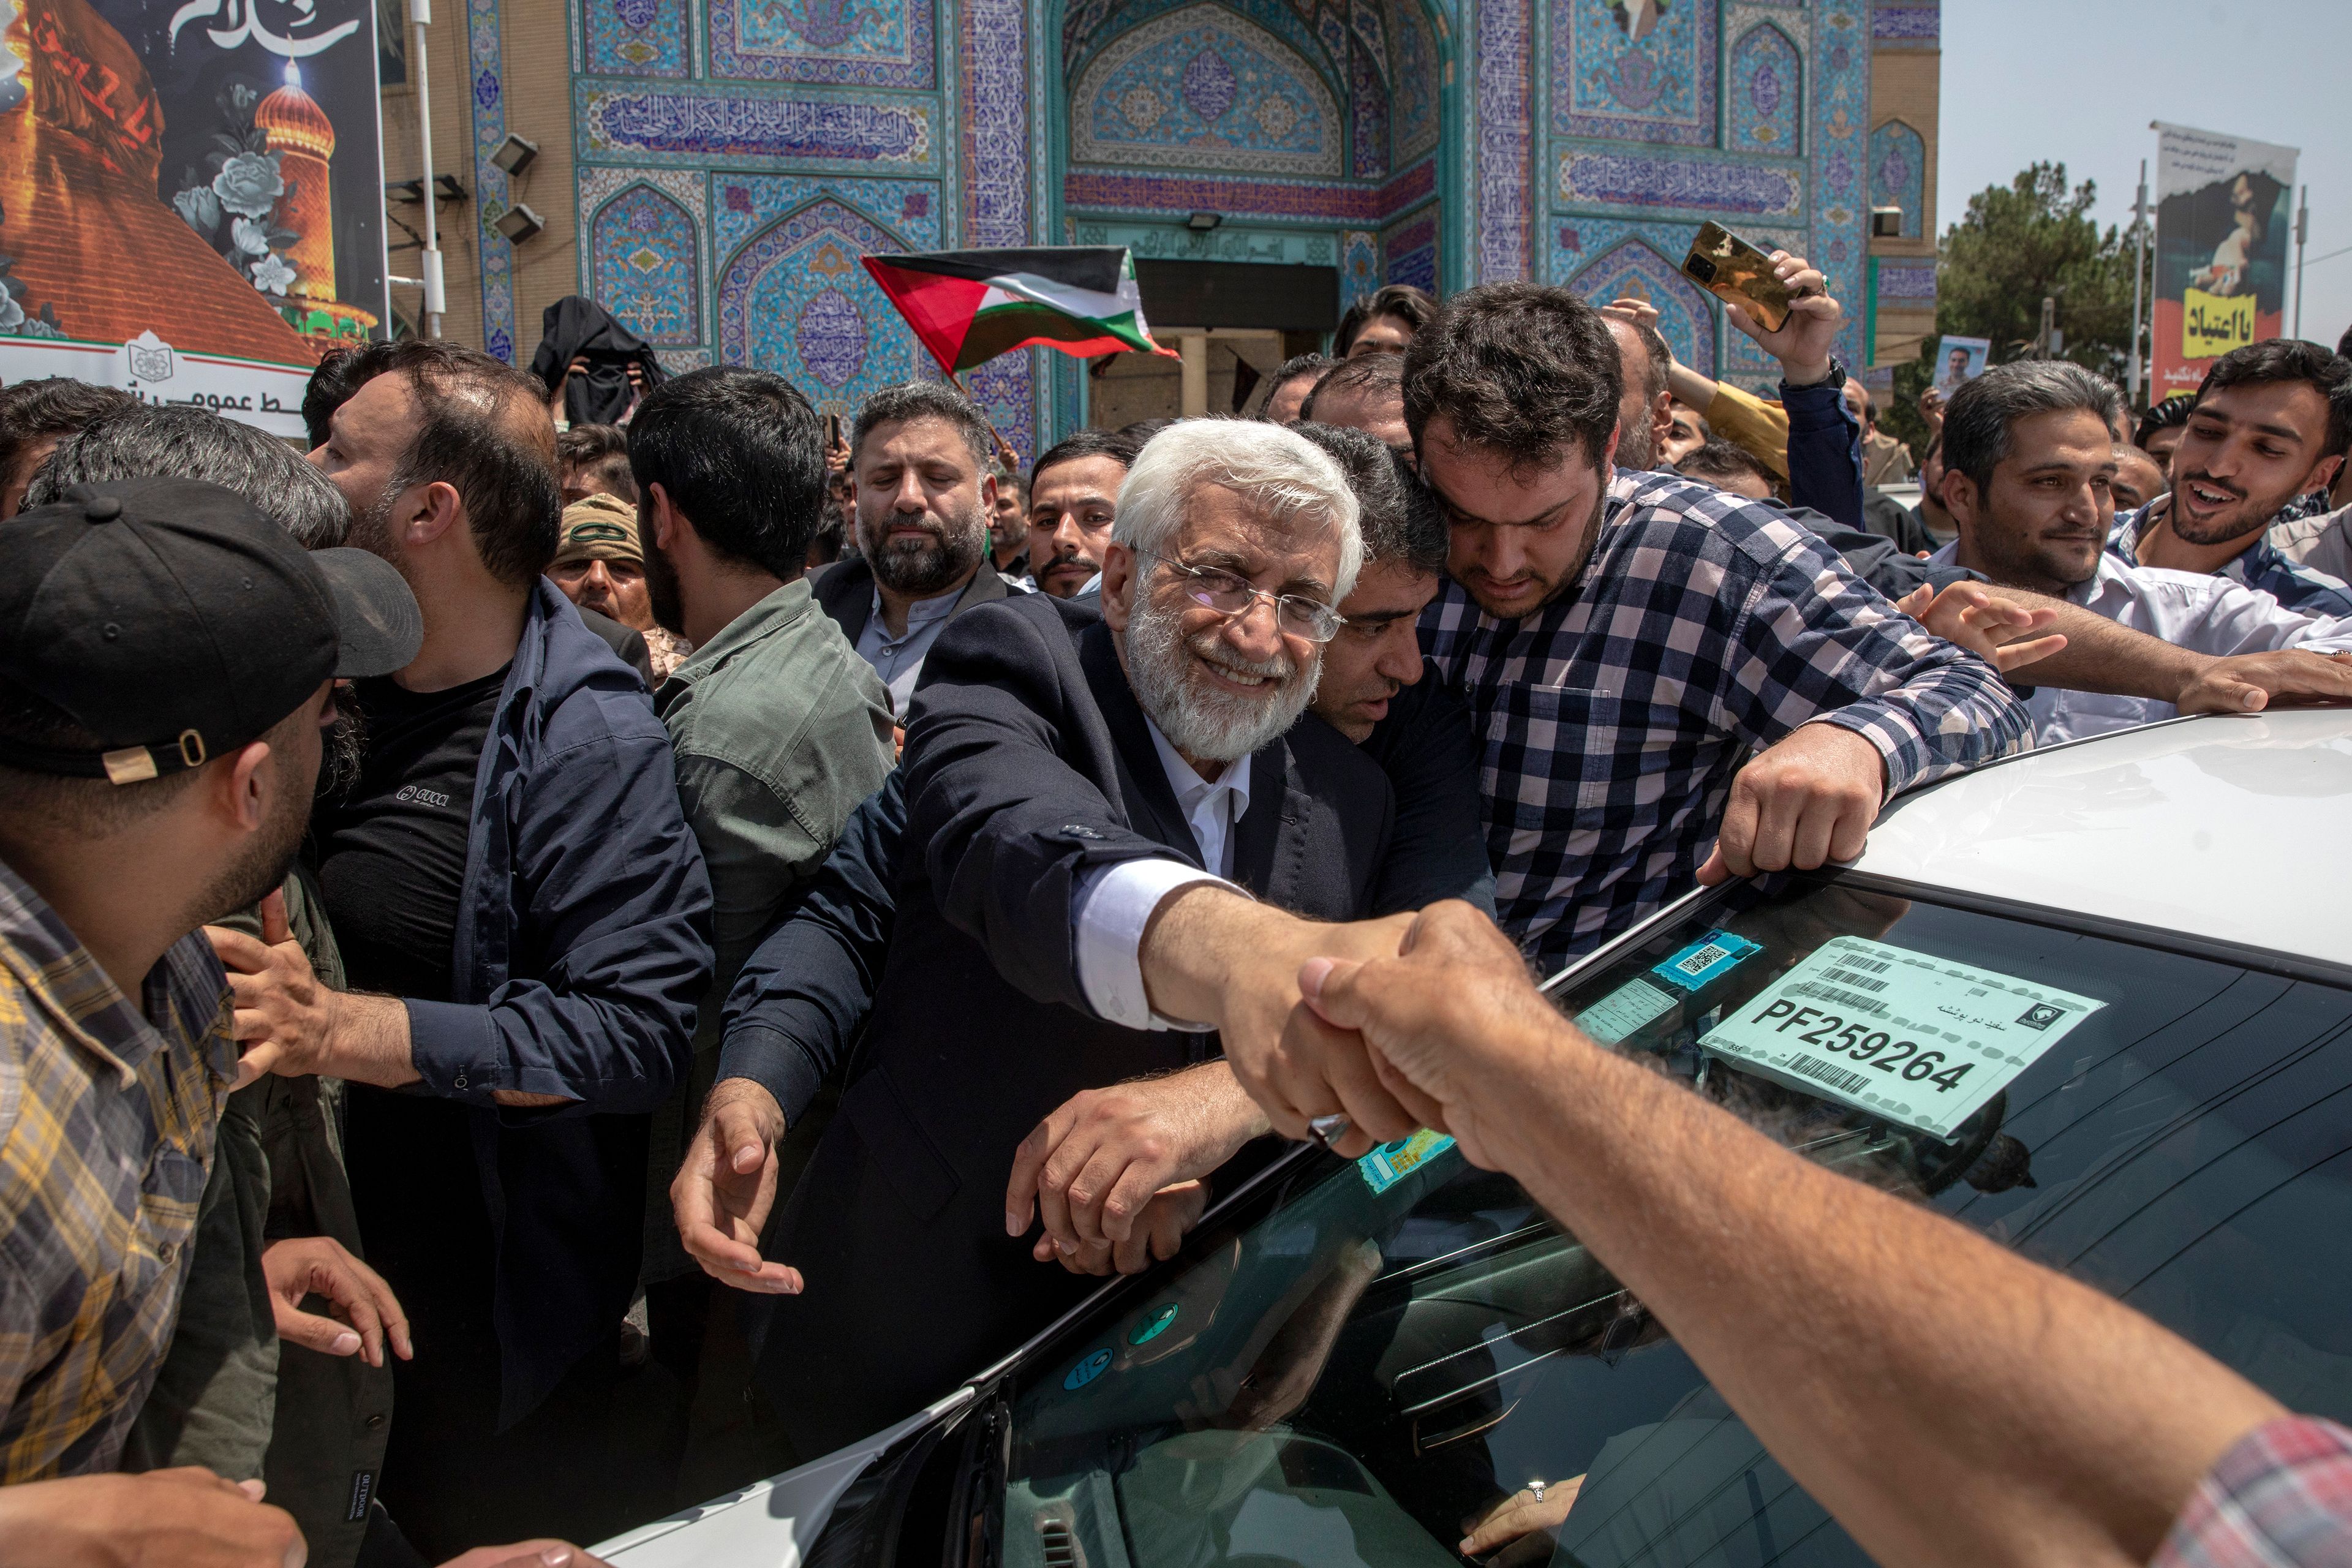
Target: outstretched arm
2059,1425
2098,655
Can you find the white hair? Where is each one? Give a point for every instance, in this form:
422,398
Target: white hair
1274,469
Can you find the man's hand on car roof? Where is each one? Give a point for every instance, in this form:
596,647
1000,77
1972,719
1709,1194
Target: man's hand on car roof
1800,803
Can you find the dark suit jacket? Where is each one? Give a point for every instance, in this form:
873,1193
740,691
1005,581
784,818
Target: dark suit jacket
1028,763
844,590
626,641
802,997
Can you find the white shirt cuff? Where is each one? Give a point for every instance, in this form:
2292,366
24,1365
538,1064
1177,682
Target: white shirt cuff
1114,904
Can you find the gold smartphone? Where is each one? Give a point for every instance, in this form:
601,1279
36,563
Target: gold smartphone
1731,269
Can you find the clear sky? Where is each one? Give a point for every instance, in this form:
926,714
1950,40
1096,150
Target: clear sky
2078,81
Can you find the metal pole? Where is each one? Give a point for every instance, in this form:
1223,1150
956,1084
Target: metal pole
420,13
2302,232
2140,265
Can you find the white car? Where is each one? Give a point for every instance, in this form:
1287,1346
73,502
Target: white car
2095,1001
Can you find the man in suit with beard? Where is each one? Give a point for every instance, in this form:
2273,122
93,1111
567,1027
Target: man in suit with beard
1116,822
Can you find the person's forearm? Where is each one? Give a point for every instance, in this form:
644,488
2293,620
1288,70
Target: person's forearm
1823,452
367,1041
1198,936
1949,1401
1690,388
2101,656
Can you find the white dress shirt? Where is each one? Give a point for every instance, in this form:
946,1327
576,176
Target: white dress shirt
2206,615
1114,903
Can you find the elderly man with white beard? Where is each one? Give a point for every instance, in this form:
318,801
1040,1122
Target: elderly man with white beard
1124,836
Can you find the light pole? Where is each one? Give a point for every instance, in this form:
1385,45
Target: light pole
2139,267
420,13
2302,232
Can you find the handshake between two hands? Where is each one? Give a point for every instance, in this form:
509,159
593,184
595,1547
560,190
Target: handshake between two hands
1415,1020
1395,1024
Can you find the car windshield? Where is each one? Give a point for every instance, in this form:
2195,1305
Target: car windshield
1368,1358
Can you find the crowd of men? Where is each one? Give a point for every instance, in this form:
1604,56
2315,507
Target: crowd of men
494,919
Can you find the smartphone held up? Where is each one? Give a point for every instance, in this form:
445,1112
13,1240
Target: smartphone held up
1731,269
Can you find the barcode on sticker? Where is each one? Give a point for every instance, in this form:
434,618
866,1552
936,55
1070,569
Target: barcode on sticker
1846,999
1847,977
1856,961
1698,962
1829,1073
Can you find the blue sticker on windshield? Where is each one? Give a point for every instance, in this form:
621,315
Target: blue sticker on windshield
1086,1371
1711,958
1152,1327
1389,1163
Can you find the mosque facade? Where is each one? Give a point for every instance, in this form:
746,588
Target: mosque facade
711,170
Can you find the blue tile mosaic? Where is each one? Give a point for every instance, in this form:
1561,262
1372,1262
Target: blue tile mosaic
1766,87
1643,73
645,263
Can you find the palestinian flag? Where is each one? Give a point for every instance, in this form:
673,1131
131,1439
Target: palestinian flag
969,306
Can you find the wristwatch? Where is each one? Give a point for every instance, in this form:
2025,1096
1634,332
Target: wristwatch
1835,381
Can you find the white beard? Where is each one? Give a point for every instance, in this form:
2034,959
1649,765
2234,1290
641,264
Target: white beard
1198,720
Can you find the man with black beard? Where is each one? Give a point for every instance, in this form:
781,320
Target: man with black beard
524,921
167,662
920,468
779,728
1115,818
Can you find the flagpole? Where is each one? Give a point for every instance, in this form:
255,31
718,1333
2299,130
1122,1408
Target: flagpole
1004,446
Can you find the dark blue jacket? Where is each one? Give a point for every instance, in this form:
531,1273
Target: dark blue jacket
799,1003
583,945
1825,494
1824,452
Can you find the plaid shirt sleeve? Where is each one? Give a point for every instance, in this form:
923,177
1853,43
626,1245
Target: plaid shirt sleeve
2280,1498
1822,646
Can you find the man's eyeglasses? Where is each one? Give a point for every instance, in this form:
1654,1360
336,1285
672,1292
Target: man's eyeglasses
1231,595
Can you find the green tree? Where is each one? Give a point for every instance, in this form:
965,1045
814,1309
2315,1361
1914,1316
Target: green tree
2017,246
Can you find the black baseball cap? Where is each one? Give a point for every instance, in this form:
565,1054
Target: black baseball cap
174,621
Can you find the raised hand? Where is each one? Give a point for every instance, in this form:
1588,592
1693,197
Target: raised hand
283,1016
1445,1022
1802,342
1216,957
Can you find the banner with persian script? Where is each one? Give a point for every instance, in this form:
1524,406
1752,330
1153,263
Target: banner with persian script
191,196
2224,208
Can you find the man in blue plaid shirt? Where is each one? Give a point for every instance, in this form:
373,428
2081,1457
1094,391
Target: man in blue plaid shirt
1627,640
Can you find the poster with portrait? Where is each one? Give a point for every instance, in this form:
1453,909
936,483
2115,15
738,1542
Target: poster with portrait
1959,360
2223,212
191,196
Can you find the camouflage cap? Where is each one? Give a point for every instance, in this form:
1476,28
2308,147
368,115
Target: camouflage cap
598,528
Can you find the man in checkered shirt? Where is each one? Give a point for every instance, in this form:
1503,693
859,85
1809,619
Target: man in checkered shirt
1627,640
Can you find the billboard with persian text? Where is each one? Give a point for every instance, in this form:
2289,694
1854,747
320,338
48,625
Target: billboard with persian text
2222,213
191,196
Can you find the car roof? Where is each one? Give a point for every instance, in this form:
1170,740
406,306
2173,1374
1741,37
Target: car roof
2228,828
